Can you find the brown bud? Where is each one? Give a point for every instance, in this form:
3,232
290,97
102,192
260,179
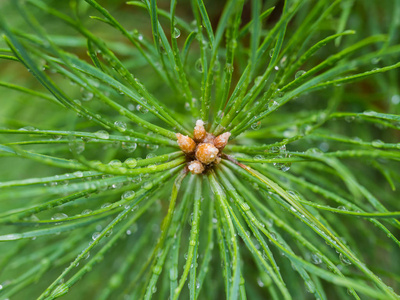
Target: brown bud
217,160
199,131
186,144
196,167
209,138
206,153
221,140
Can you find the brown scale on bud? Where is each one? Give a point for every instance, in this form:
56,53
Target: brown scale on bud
221,140
205,150
186,144
206,153
196,167
199,132
209,138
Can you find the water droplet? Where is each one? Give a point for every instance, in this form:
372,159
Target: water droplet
116,163
375,60
173,273
256,125
56,137
106,205
260,282
78,174
151,155
299,73
152,147
395,99
131,162
314,152
128,147
59,216
147,185
28,128
272,105
116,280
142,109
377,143
370,113
216,65
95,235
86,212
199,66
77,146
324,146
128,195
229,68
349,119
316,259
344,259
87,96
120,125
285,167
271,52
176,33
102,134
283,61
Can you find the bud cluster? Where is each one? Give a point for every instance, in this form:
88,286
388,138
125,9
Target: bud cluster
204,149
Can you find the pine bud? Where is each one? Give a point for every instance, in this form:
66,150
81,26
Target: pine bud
186,144
209,138
221,140
199,131
206,153
196,167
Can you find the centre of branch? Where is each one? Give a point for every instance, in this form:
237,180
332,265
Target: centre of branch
204,150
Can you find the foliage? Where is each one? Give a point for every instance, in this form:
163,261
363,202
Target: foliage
96,202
